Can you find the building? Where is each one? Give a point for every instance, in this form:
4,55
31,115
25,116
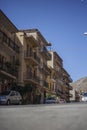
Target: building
66,85
34,70
9,53
59,79
55,65
26,64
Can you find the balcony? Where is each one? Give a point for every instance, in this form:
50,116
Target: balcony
68,86
1,37
58,74
8,42
70,79
67,92
32,41
31,57
7,70
60,82
77,94
44,83
30,77
70,95
45,53
59,92
44,69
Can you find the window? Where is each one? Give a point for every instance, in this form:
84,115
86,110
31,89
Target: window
12,94
5,38
1,34
9,42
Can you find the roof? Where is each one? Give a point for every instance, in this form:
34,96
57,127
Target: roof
39,34
4,20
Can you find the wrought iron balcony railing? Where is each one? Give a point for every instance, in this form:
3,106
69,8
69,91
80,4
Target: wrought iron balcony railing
44,68
29,76
7,41
8,68
44,83
45,52
31,55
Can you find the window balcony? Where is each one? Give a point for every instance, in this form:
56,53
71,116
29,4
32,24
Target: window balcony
44,69
70,87
59,92
70,79
30,77
60,82
32,40
70,95
67,92
44,83
7,70
8,42
1,37
45,53
31,57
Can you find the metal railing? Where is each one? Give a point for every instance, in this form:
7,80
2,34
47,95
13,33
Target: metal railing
44,68
31,76
45,52
8,68
28,54
44,83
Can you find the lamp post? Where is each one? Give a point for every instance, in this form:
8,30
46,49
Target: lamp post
85,33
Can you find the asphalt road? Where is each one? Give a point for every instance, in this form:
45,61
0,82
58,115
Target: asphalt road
44,117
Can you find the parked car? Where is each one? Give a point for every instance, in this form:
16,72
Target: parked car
62,101
84,97
50,100
10,97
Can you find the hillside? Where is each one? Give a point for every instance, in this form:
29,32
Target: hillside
80,84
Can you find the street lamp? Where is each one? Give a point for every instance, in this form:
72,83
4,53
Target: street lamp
85,33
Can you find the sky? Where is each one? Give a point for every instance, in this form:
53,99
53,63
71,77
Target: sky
61,22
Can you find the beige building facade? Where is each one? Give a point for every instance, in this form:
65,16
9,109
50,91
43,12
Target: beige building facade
27,64
66,85
9,53
59,79
34,69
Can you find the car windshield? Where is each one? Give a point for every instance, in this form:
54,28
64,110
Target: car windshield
85,94
5,93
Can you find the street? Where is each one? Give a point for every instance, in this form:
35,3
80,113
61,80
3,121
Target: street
44,117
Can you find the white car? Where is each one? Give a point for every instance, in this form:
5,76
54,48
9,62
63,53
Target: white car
10,97
51,100
84,97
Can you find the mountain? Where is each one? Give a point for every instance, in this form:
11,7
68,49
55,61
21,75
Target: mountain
80,84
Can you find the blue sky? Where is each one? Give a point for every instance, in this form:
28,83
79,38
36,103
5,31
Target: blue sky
61,22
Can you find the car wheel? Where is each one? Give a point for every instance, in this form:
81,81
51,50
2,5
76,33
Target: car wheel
8,102
20,102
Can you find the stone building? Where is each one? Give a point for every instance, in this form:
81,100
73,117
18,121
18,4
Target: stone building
34,69
59,79
26,63
9,53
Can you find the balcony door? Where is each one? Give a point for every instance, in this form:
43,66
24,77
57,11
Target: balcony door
28,72
28,50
